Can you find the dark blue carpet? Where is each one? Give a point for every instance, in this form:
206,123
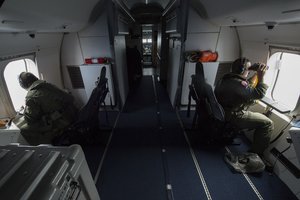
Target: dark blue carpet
93,153
224,183
269,185
133,166
184,178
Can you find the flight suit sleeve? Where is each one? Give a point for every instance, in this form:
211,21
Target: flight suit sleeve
249,93
32,111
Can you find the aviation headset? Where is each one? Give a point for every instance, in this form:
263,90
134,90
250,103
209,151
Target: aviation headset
240,65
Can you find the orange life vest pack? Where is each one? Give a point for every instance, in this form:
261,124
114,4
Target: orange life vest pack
208,56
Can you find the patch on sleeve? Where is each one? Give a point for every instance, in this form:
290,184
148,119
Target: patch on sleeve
244,83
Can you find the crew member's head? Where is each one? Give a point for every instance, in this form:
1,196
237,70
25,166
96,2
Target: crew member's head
26,79
240,66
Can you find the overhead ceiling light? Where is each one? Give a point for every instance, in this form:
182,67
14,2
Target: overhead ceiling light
291,11
12,22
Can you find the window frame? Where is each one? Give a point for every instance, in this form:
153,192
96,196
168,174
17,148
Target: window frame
6,100
282,49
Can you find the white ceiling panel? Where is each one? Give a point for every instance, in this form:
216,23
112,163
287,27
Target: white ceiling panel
44,15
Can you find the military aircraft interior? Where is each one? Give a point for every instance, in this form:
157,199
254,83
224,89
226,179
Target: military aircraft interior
151,122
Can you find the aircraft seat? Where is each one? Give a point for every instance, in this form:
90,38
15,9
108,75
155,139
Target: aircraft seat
209,117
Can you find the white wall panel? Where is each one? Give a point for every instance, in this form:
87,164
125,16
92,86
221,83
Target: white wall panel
281,34
17,43
255,51
203,35
228,45
99,28
198,25
92,41
173,69
71,52
121,66
255,40
201,41
49,66
210,72
72,55
95,47
90,75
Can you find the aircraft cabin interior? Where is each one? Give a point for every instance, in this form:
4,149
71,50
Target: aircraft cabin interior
143,75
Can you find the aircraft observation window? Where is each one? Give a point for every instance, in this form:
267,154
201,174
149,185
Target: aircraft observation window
11,75
283,79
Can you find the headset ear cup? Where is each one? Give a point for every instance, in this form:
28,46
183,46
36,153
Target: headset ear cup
243,65
242,69
239,66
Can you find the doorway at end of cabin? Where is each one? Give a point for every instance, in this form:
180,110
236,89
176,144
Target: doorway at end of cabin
141,48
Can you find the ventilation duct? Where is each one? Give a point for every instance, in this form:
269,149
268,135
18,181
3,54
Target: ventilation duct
1,3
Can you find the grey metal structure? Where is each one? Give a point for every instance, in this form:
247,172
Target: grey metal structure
45,172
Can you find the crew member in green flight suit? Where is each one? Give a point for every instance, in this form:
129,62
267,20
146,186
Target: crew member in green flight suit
236,93
48,111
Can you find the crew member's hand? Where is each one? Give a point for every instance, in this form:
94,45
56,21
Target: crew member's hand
261,71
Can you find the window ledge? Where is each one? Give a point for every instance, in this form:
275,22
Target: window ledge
275,105
284,117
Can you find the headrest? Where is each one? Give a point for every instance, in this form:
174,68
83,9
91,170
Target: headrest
199,69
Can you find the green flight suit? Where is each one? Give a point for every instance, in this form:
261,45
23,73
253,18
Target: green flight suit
235,94
48,112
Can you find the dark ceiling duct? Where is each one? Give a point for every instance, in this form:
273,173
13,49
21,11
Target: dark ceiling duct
123,7
147,13
171,5
1,3
199,8
97,11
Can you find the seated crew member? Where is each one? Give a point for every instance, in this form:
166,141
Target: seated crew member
48,110
235,93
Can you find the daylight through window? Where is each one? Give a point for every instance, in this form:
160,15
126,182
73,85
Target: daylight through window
11,74
282,78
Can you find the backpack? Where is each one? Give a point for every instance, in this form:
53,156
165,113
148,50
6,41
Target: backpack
245,162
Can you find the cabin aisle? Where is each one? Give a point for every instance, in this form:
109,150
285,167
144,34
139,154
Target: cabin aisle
148,157
148,153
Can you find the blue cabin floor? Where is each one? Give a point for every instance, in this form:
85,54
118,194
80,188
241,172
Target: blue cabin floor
147,155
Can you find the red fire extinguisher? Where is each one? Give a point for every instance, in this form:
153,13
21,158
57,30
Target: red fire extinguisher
95,60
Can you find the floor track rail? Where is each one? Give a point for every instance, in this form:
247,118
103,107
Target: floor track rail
208,195
170,194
